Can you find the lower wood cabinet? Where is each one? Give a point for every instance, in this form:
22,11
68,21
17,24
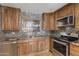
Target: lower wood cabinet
43,44
20,49
23,48
51,44
33,46
74,50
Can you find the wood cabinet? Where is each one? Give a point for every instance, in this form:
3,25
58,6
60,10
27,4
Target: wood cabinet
52,21
62,12
23,48
20,49
48,21
74,50
33,47
15,19
65,11
56,18
43,44
70,9
47,43
0,16
38,45
10,18
77,16
45,24
51,44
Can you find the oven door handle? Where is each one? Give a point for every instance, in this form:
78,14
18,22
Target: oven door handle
61,42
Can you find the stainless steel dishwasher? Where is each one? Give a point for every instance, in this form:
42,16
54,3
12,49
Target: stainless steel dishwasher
14,48
8,48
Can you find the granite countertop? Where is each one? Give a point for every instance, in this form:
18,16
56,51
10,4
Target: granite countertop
25,39
75,43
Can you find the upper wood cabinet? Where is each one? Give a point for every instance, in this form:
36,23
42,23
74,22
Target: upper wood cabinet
77,16
61,12
65,11
10,18
70,9
0,16
46,20
52,21
56,18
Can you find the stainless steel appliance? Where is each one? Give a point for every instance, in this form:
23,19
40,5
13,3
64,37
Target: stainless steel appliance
62,47
66,21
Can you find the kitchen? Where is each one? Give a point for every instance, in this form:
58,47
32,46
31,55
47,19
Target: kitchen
30,29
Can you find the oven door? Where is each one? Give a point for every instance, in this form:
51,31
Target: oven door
61,47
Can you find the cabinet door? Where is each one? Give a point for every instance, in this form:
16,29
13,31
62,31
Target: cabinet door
15,19
46,21
70,9
0,16
77,16
52,22
33,47
47,43
10,18
56,18
62,12
20,49
74,50
41,45
25,48
51,43
6,18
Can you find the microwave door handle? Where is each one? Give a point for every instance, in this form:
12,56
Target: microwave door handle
68,20
60,42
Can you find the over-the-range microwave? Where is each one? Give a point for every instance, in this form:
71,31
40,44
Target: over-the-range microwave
66,21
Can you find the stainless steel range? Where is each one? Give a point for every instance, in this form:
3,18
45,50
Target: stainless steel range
61,45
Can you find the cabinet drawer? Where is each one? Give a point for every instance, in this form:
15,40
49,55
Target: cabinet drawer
74,50
74,53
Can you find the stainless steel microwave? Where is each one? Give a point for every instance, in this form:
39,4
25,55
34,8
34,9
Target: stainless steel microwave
66,21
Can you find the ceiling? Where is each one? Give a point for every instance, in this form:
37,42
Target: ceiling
36,8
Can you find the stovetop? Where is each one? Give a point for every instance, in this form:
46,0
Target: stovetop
67,39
